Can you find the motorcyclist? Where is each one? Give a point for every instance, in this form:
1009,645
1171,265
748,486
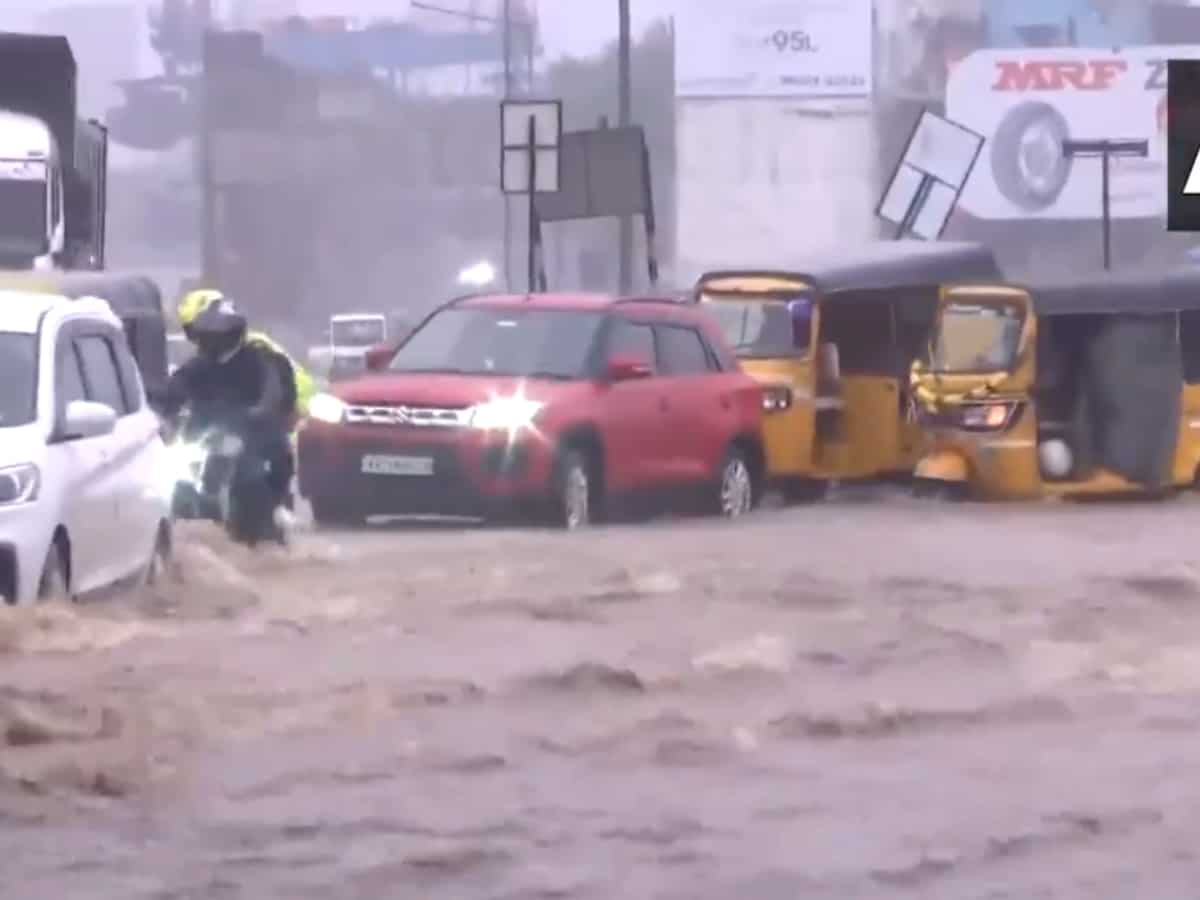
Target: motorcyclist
241,386
195,302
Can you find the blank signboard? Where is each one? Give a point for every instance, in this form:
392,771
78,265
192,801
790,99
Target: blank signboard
604,175
521,120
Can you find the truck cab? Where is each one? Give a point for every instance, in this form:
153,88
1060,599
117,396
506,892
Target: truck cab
32,227
53,165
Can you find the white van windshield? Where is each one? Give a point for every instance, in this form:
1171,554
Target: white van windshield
18,379
23,223
357,332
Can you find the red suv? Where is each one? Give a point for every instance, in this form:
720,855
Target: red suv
560,405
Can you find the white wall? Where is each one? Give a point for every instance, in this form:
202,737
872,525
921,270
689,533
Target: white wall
762,179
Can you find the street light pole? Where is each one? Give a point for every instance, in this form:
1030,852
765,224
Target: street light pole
624,119
506,31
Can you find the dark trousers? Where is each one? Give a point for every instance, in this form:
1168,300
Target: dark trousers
270,441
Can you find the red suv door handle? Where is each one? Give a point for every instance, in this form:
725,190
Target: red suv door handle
725,402
663,404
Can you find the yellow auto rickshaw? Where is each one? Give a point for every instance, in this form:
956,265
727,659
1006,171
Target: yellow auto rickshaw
135,299
1085,387
832,341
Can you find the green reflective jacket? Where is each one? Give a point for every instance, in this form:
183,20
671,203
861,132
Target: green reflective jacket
305,386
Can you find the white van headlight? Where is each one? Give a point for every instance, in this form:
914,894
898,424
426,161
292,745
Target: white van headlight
19,484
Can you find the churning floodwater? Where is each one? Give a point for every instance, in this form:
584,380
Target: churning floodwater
850,700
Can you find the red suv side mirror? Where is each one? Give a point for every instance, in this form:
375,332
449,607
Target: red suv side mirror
377,358
627,368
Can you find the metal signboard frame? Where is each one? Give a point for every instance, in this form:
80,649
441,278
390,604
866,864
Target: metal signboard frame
929,177
531,164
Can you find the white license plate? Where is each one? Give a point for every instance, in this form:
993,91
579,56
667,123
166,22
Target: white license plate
385,464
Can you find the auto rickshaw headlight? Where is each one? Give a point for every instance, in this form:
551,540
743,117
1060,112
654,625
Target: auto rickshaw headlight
776,398
987,416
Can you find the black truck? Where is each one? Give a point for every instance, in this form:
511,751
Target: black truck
53,165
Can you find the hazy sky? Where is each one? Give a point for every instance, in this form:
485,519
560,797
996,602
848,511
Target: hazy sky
569,27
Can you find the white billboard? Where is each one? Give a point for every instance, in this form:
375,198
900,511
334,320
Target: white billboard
760,181
1026,102
769,48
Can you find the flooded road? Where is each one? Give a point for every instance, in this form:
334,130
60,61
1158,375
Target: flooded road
843,701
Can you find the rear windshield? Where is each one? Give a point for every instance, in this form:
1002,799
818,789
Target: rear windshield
357,332
762,327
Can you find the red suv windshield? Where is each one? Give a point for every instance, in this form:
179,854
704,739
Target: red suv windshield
529,343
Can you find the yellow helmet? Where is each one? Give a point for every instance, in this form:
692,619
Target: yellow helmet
194,303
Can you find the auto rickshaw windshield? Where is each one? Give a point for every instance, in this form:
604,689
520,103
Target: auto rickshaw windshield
762,328
976,338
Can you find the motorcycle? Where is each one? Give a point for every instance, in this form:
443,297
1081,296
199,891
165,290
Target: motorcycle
217,477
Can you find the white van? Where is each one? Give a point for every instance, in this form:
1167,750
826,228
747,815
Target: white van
350,336
84,492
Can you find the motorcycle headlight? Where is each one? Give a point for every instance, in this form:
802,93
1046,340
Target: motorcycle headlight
327,408
505,414
19,484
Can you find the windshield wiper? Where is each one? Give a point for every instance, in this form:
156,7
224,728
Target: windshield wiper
433,371
543,375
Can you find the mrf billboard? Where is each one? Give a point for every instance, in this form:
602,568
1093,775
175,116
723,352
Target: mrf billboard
1027,102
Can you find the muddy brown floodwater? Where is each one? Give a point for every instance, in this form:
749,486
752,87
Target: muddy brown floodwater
853,700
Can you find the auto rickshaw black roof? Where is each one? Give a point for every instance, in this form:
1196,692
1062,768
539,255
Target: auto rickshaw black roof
880,264
128,294
1123,292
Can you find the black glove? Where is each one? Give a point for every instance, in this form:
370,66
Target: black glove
168,428
257,415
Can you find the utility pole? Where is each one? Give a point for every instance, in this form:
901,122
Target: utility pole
1106,150
624,119
506,30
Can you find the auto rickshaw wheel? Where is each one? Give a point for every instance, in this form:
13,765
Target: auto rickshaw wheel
939,490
